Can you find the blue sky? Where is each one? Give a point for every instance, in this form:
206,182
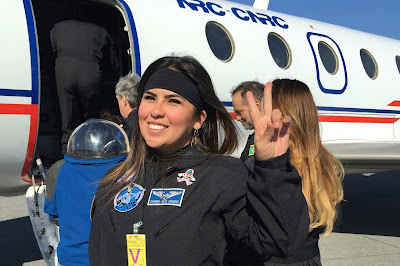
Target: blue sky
378,17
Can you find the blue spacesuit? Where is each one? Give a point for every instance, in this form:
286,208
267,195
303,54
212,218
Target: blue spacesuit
94,147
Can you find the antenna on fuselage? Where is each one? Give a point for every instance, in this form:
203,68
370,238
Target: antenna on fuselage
261,4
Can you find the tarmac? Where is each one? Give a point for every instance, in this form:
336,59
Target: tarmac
368,234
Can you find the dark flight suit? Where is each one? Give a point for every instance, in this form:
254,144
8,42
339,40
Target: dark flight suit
131,122
80,47
266,211
307,254
247,156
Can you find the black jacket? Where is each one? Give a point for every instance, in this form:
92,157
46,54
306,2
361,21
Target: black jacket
131,122
247,156
84,41
272,219
306,254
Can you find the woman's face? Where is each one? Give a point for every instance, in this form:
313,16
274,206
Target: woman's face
167,120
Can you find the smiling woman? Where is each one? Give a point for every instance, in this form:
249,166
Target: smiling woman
166,118
176,200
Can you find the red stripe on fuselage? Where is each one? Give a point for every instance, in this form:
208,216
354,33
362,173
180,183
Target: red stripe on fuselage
32,111
349,119
358,119
394,103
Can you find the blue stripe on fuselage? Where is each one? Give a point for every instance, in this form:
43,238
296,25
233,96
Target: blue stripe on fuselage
356,110
34,92
19,93
33,50
343,109
135,38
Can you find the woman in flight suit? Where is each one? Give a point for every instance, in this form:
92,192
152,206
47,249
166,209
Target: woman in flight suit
179,191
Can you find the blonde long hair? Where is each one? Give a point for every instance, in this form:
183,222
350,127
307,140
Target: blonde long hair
321,172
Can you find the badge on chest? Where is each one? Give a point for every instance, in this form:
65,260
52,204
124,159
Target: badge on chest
136,245
166,196
128,198
187,177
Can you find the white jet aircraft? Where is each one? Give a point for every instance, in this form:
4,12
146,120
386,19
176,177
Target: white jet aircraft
354,76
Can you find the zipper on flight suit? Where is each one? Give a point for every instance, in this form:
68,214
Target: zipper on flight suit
139,224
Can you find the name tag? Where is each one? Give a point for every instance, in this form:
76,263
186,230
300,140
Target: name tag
167,196
136,245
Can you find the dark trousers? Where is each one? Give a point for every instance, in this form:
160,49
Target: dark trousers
78,86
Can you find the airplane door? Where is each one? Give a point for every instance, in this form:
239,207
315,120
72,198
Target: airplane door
329,63
134,50
19,90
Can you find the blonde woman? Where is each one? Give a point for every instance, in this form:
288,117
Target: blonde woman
321,172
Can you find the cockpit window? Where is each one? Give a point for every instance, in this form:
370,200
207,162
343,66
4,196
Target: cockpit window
369,63
328,57
398,63
280,50
220,41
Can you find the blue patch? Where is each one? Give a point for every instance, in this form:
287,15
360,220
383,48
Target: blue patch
166,196
128,198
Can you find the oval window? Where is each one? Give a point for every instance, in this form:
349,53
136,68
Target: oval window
220,41
398,63
328,57
279,49
369,63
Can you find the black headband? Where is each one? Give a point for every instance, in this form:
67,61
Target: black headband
166,78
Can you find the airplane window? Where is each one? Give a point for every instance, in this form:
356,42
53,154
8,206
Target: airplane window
328,57
220,41
398,63
369,63
279,49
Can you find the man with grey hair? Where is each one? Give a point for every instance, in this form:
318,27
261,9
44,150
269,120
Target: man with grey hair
126,94
241,109
236,254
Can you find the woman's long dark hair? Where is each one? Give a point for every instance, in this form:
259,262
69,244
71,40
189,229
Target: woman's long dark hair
217,117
